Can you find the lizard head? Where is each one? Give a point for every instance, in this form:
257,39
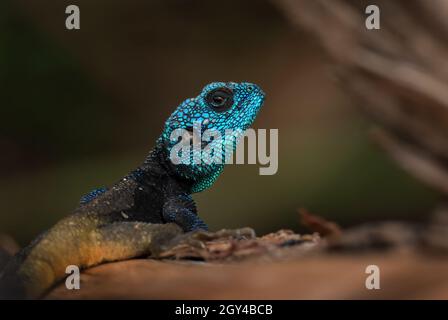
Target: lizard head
203,131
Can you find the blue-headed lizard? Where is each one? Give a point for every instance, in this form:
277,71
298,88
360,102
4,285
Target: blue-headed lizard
144,210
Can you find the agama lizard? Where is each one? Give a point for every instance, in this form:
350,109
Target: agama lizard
143,210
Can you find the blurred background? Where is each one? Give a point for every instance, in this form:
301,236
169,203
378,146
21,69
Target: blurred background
81,108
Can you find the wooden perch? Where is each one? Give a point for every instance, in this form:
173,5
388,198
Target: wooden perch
283,265
403,276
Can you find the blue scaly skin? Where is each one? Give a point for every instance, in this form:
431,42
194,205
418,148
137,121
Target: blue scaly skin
146,209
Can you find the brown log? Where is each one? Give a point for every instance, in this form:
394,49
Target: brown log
403,276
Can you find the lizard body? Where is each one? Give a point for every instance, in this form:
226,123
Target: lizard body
149,207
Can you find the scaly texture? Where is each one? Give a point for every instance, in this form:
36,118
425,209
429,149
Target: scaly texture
147,208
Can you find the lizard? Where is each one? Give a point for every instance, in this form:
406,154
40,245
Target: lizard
147,208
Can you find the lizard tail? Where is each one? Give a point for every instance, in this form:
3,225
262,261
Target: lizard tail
5,257
9,286
8,248
83,241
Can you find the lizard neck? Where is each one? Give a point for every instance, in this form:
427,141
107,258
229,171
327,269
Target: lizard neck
192,180
157,164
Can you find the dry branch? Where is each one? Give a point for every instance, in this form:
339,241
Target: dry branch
399,74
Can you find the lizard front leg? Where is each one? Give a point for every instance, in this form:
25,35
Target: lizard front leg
181,209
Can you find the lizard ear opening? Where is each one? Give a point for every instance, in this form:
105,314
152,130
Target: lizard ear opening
220,99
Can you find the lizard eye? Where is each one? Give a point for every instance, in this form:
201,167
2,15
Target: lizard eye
220,99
